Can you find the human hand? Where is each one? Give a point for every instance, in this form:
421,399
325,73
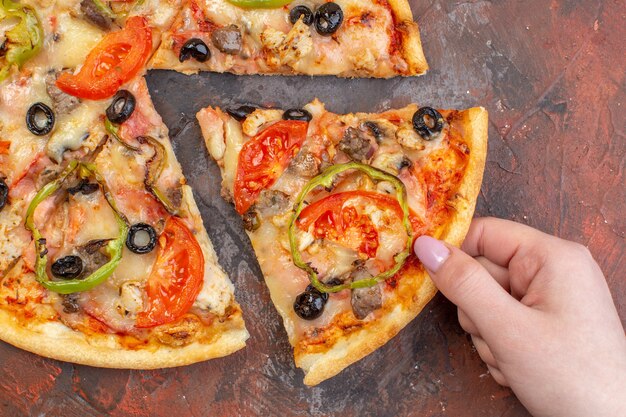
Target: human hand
540,315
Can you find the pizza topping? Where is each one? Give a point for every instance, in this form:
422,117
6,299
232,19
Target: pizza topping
4,193
63,103
297,114
356,145
264,158
309,305
227,39
251,219
301,11
366,235
70,303
68,267
180,333
239,113
113,247
176,277
117,58
22,39
171,199
409,138
287,49
40,119
142,238
97,13
259,118
428,122
365,300
122,107
194,48
305,164
328,18
272,202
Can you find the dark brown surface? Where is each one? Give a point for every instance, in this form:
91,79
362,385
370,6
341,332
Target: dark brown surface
551,74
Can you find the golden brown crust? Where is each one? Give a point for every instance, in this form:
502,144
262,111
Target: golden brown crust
412,50
321,366
54,340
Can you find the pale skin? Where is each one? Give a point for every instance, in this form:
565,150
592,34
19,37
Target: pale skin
540,314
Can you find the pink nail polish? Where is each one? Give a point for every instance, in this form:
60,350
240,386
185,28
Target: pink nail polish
431,252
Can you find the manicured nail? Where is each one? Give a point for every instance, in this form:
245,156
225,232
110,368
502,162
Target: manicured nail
431,252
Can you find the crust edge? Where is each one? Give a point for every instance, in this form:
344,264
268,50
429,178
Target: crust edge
321,366
412,50
71,346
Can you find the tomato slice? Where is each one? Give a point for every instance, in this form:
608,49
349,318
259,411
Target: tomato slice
117,58
264,158
334,220
176,277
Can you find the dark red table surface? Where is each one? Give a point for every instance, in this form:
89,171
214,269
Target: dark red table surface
551,74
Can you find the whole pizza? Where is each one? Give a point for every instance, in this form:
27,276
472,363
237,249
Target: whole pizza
104,258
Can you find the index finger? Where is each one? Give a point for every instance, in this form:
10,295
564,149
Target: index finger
499,240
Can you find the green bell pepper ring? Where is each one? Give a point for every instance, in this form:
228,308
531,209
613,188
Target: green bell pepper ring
325,179
259,4
113,249
24,40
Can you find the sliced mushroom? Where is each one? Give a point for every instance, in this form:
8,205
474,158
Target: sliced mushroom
356,144
227,39
95,15
272,202
365,300
305,164
63,103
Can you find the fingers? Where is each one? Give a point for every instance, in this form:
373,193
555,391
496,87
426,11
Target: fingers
466,283
484,352
500,273
467,324
498,376
498,240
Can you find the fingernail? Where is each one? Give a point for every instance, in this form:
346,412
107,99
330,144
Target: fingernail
431,252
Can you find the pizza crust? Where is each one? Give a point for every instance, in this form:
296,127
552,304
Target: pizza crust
56,341
349,349
411,42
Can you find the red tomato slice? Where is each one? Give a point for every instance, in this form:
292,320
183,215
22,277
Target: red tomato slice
335,221
176,277
264,158
117,58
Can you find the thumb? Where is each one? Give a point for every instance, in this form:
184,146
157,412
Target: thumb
467,284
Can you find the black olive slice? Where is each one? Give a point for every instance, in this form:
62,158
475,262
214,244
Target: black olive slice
4,193
142,238
328,18
39,119
194,48
241,112
427,122
297,114
122,107
305,12
311,288
68,267
309,305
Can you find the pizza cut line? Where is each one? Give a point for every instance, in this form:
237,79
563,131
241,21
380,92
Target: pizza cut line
342,198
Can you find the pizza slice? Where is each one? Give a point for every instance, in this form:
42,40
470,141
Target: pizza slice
332,204
347,38
104,259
